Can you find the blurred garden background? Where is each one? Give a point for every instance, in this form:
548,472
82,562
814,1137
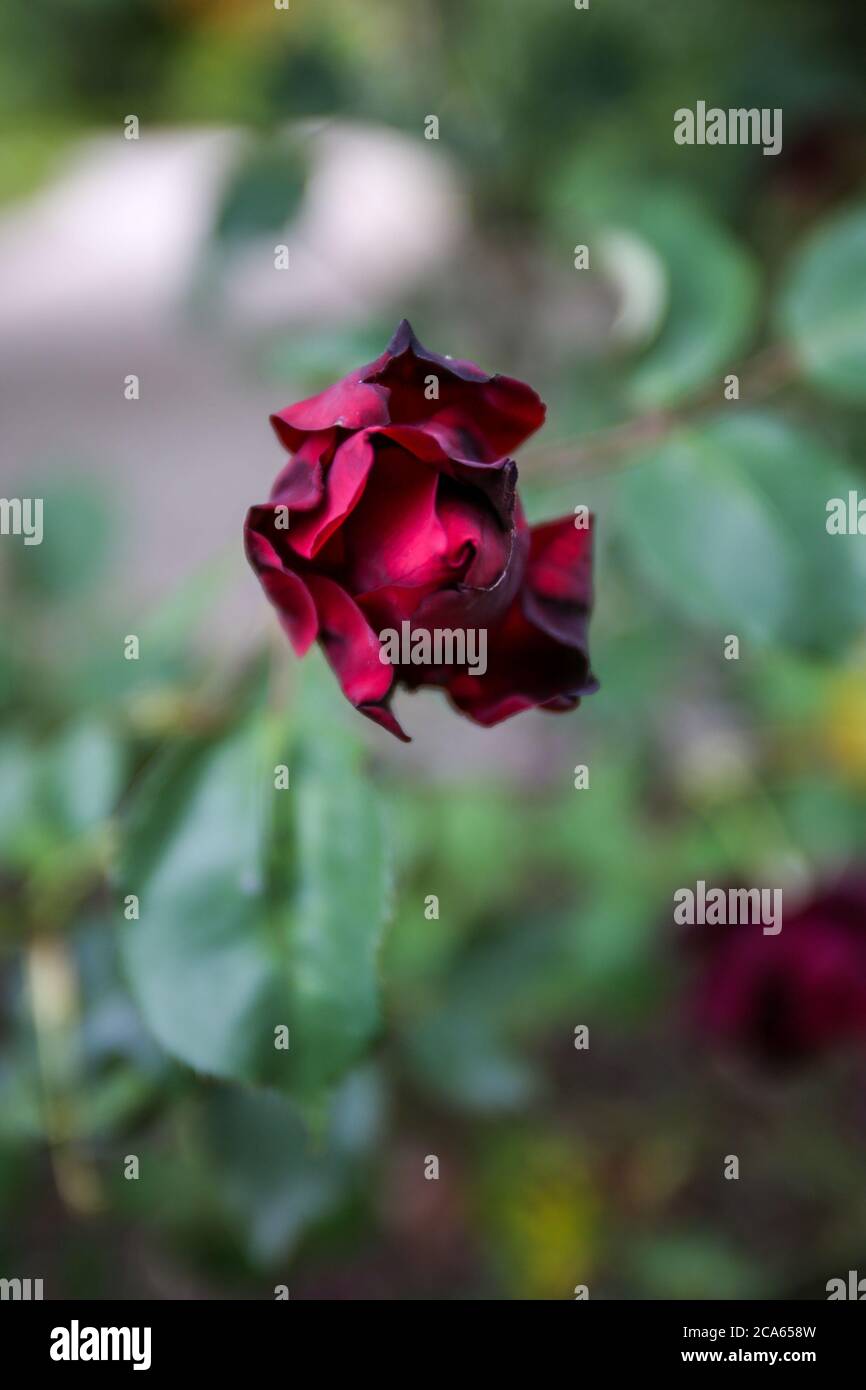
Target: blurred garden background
152,1038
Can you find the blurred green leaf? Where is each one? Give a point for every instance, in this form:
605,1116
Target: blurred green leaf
823,306
460,1057
259,907
10,676
77,525
29,157
82,777
21,1105
18,783
98,674
109,1103
197,960
276,1180
54,793
728,520
613,941
672,267
467,1048
712,301
263,194
341,898
694,1265
827,821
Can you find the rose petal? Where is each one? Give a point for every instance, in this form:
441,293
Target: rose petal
476,541
558,594
345,481
475,416
350,404
538,655
301,483
285,589
394,535
351,646
386,719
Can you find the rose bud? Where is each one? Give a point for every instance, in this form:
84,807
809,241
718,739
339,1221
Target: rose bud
786,998
397,514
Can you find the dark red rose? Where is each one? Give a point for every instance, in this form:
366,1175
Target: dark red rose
398,507
786,998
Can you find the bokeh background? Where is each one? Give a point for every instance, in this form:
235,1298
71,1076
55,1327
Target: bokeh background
454,1037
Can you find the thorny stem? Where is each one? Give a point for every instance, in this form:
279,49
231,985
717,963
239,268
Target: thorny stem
765,373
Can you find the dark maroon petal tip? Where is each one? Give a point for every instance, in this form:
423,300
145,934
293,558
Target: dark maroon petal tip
404,340
385,718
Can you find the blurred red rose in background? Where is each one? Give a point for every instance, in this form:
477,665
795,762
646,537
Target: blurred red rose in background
787,998
398,511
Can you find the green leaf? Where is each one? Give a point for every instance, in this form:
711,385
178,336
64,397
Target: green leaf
30,157
198,959
694,1265
275,1179
728,522
337,913
18,783
466,1048
82,777
463,1060
823,307
264,193
259,907
52,794
97,672
826,821
612,942
712,301
77,538
679,279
